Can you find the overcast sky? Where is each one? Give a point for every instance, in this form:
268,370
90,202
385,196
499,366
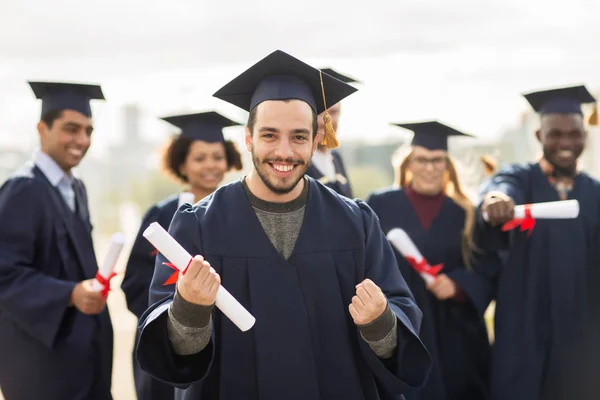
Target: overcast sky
464,62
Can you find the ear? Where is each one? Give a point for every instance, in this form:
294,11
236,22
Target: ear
538,135
318,139
248,140
42,128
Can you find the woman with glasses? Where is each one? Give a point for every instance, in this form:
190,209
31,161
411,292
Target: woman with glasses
430,206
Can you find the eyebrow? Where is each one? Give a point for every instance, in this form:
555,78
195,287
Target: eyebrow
268,129
298,131
301,131
78,126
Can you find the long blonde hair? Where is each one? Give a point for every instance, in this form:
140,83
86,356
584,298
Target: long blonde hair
451,188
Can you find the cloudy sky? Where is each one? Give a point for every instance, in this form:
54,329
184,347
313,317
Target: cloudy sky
464,62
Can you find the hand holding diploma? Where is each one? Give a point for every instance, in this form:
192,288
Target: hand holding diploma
402,242
107,270
200,283
526,214
182,261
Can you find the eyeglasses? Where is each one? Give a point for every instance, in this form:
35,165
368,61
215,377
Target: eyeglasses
436,162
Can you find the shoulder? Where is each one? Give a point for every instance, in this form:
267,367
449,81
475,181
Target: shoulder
590,181
169,202
385,195
518,169
23,182
221,198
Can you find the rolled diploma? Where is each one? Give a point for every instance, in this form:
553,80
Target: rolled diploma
402,242
180,258
563,209
108,266
186,197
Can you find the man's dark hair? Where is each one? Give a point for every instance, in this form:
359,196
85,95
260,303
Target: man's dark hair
252,121
52,116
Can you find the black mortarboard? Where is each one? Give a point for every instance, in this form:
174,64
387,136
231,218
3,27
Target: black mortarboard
206,126
337,75
280,76
567,100
57,96
432,135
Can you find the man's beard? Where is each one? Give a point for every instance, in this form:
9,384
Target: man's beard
260,167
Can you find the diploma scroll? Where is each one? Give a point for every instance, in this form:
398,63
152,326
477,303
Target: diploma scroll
180,258
403,243
526,214
106,271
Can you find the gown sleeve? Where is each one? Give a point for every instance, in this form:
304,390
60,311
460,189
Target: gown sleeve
409,368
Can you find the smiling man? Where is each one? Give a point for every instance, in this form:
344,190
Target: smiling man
334,317
55,331
545,290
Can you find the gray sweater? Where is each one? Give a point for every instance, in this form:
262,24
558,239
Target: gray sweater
190,325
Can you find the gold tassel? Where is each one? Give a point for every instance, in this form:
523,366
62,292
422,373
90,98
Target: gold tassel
593,119
330,139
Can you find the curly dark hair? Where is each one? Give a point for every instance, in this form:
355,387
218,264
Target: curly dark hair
178,149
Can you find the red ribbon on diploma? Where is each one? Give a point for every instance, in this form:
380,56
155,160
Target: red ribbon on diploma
105,282
175,276
424,267
527,223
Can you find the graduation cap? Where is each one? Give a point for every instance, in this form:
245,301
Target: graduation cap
206,126
279,76
432,135
337,75
57,96
566,100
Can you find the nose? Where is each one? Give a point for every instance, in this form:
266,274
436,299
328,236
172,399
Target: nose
284,149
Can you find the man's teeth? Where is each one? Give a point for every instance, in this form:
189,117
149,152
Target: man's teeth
565,153
283,168
75,152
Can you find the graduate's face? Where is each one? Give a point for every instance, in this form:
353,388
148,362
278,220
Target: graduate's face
427,168
205,165
281,143
563,139
68,139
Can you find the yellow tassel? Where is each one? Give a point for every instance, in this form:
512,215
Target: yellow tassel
593,119
330,139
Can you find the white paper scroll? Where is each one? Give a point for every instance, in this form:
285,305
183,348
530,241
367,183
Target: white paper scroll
403,243
180,258
186,197
110,260
564,209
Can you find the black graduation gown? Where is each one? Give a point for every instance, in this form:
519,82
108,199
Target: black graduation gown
454,333
136,285
544,297
340,185
304,344
47,349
